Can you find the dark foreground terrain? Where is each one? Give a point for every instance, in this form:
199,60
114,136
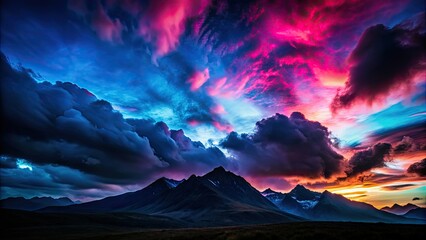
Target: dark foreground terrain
301,230
29,225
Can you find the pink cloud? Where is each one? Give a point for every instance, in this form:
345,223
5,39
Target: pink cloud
193,122
223,126
198,79
218,109
215,88
107,29
163,22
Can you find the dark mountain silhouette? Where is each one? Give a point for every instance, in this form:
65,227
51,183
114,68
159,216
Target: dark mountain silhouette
34,203
398,209
417,213
335,207
221,198
327,206
127,202
217,198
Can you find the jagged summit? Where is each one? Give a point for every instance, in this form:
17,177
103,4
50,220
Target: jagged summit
220,173
219,169
326,192
400,209
268,191
300,187
301,193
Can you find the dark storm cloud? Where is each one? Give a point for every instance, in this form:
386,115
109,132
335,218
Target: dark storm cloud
7,162
65,125
283,146
48,177
418,168
51,180
383,60
370,158
178,150
407,144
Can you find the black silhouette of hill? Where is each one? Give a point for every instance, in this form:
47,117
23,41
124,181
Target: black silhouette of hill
34,203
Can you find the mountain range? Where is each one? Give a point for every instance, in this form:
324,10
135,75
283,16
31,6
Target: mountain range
217,198
221,198
34,203
398,209
327,206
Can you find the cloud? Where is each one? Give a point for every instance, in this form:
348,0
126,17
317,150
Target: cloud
417,198
187,99
198,79
370,158
418,168
285,146
65,125
178,150
107,29
398,187
163,22
385,59
52,180
7,162
160,23
407,144
408,137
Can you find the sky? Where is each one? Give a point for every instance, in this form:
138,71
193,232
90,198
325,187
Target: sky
101,97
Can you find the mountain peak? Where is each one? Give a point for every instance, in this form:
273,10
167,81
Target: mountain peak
328,196
326,192
397,206
219,172
400,209
219,169
301,187
171,182
301,193
269,191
